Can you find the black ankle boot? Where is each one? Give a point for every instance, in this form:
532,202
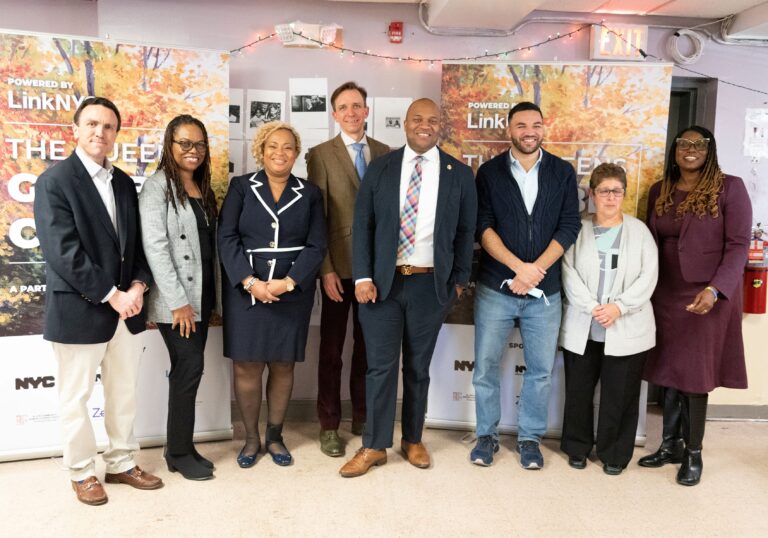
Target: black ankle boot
694,420
690,471
672,445
275,445
670,451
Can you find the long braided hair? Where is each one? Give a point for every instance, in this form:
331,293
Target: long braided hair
702,200
201,176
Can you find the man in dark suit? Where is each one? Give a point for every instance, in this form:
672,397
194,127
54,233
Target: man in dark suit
337,166
87,221
412,254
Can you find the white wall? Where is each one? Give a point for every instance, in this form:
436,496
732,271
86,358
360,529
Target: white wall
228,24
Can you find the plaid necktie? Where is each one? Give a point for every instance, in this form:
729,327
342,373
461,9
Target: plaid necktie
360,165
410,213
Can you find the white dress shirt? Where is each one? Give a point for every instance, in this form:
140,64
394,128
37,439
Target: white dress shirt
348,141
424,252
102,179
527,181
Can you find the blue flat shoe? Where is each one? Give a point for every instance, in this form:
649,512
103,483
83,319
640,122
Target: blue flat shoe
274,438
280,455
247,460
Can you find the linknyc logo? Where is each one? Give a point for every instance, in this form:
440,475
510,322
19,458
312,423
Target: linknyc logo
40,382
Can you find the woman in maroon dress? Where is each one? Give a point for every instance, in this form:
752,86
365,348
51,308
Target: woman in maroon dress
701,220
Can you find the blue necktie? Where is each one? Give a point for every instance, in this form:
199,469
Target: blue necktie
360,165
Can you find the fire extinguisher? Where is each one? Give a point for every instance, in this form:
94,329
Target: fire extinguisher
755,286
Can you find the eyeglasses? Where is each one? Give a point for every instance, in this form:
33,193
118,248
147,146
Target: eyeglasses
187,145
605,193
699,145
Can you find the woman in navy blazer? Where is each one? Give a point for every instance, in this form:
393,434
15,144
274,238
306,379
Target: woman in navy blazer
701,220
271,244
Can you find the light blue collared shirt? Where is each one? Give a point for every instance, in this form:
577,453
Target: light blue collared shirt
527,181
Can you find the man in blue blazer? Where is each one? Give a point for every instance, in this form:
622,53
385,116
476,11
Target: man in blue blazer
87,221
412,241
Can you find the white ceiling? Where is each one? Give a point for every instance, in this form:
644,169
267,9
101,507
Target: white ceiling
506,14
670,8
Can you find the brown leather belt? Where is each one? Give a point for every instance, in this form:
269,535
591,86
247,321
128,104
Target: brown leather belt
413,270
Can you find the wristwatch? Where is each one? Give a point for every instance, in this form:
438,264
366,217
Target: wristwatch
289,285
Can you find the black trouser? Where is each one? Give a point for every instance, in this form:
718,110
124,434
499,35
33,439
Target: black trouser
187,360
620,380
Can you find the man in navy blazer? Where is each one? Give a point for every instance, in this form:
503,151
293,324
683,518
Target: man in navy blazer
87,221
528,216
412,241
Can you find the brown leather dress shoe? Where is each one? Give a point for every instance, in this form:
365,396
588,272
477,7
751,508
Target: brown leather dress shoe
135,478
90,491
416,454
362,461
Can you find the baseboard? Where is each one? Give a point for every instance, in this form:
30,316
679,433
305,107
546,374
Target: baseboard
737,412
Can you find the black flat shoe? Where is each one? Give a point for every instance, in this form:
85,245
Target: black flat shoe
188,467
577,462
612,470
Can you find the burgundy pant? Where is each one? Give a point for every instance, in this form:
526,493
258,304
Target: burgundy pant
333,331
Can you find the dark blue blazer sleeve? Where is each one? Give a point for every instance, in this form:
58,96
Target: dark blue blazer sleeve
463,243
231,251
307,263
364,223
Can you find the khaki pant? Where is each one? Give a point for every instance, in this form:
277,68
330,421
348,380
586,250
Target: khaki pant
78,363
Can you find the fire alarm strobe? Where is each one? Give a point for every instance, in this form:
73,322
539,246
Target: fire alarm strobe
395,32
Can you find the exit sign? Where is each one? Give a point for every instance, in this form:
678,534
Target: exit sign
618,42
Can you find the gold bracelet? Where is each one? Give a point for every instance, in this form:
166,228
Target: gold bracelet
713,290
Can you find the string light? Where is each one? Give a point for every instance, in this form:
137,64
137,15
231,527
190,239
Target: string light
259,39
503,54
429,61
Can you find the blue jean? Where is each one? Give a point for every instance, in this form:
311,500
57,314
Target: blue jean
495,315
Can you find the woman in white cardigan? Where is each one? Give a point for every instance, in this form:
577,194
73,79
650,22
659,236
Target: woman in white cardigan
609,275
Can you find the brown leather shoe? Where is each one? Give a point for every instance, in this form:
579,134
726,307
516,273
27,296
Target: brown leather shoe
135,478
362,461
90,491
416,454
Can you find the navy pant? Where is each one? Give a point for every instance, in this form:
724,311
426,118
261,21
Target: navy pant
409,319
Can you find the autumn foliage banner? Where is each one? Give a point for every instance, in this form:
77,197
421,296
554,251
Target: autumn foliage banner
593,113
42,81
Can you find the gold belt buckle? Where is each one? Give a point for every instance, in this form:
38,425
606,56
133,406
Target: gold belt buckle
406,270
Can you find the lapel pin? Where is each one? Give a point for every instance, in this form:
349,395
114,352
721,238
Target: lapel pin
450,167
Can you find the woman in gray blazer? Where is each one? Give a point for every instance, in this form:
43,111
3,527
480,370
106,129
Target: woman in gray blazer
609,275
178,227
